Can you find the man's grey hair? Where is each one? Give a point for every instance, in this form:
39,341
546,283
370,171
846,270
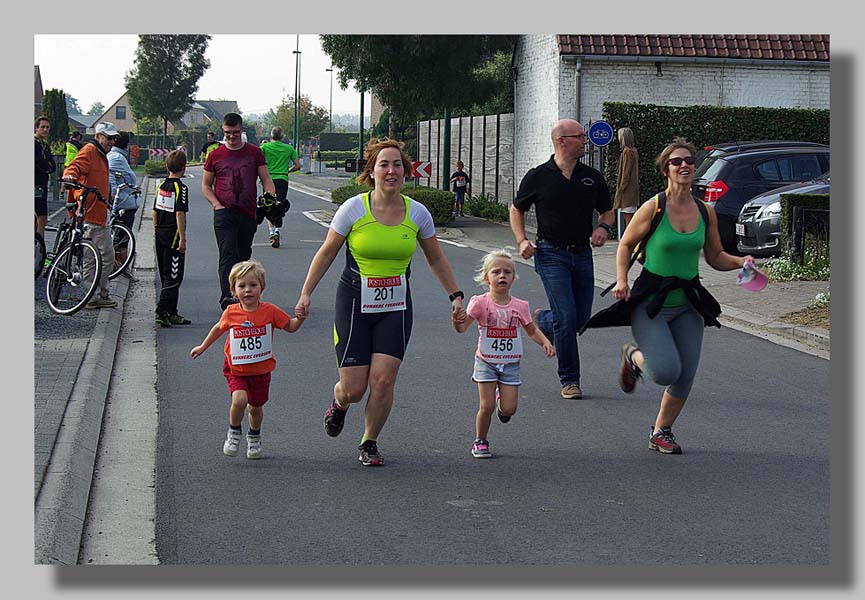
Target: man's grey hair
276,133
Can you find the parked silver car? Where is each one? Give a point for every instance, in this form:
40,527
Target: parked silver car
758,228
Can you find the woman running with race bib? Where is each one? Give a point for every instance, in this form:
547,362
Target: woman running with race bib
373,320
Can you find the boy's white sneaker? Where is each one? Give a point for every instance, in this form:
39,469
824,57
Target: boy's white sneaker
253,446
232,443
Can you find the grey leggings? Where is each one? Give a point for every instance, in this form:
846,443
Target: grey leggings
671,344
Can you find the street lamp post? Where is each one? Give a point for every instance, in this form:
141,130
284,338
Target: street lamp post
297,94
331,98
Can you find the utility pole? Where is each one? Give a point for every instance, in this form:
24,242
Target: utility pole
446,151
297,95
330,70
360,135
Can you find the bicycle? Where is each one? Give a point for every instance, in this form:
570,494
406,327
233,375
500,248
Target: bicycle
122,237
75,265
39,254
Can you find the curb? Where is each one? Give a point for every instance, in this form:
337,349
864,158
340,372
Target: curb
62,503
61,506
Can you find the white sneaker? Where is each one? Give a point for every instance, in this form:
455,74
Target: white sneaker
253,446
232,442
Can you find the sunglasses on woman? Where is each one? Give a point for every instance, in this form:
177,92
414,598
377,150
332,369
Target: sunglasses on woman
677,161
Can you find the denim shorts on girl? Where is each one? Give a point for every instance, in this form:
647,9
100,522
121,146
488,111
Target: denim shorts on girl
506,374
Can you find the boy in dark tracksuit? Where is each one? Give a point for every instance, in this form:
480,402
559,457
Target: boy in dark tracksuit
169,222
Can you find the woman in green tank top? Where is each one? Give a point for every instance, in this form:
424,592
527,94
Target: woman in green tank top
372,321
669,337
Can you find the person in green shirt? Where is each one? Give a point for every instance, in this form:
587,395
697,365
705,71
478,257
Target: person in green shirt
281,159
72,147
209,146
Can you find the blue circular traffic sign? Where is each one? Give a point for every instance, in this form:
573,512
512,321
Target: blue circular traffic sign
600,133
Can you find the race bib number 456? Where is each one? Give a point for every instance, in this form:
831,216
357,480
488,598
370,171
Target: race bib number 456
501,345
382,294
251,344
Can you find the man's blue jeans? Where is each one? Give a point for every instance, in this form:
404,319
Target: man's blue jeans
569,281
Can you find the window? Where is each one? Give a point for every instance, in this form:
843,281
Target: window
805,167
768,171
120,113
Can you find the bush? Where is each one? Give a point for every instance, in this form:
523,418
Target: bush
343,193
813,268
155,167
439,202
486,207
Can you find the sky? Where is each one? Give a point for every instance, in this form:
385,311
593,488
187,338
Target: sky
256,70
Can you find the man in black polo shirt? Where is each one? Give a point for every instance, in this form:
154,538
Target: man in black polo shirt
565,193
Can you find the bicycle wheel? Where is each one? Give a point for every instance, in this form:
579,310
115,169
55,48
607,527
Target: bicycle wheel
124,248
73,277
39,257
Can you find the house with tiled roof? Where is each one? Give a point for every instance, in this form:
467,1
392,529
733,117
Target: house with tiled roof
202,112
572,75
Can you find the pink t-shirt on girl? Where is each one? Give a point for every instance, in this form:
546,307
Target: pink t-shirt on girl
487,313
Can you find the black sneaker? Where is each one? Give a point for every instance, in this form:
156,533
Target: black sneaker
369,455
163,320
334,419
226,302
178,320
664,441
629,373
274,239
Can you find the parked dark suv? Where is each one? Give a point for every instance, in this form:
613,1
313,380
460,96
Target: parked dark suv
717,150
727,180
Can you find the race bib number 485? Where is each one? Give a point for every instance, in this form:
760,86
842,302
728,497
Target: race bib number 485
382,294
251,344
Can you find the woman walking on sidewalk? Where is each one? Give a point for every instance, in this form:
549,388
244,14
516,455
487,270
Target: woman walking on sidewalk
373,317
668,308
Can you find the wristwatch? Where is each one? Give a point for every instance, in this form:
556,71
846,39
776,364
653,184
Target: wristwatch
606,227
457,294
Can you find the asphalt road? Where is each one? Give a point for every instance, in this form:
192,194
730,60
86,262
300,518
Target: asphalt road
571,483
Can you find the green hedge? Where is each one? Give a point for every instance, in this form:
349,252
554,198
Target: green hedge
439,202
486,207
155,167
655,126
813,235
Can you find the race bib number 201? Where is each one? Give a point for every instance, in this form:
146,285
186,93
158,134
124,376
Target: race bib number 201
382,294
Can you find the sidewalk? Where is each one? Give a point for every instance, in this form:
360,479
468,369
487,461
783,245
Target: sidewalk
72,372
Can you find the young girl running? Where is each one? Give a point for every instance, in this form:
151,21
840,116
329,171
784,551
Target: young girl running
248,352
500,348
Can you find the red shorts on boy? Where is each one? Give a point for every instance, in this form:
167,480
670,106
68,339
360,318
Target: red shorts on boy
257,387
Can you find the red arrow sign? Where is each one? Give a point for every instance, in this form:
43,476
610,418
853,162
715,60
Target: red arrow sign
422,169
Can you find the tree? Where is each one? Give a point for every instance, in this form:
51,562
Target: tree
54,107
165,77
72,107
313,119
96,109
414,74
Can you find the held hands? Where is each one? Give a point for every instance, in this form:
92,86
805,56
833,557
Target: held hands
301,309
